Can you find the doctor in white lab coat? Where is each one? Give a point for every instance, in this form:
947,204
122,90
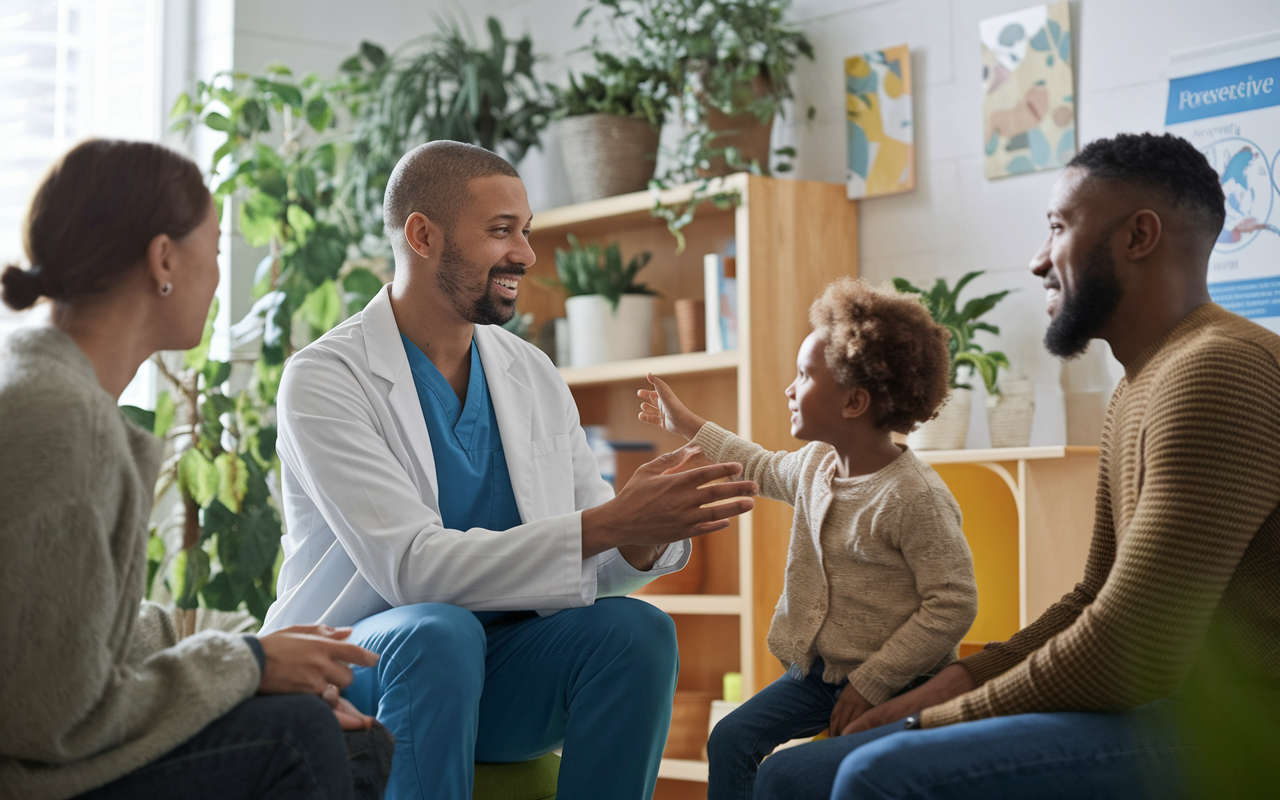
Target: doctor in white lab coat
495,643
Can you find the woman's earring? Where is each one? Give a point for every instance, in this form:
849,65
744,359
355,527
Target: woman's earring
165,289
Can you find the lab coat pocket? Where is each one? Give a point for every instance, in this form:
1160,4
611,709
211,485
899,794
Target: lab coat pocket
553,474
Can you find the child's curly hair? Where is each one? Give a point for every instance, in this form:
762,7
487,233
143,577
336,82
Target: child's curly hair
886,343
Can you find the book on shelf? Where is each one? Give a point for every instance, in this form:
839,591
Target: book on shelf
720,286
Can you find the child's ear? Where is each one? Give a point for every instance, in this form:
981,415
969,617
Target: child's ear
856,403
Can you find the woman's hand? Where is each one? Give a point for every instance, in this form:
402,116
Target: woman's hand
306,659
349,717
662,408
849,706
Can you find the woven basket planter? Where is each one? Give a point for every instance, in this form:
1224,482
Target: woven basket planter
1009,413
607,155
949,429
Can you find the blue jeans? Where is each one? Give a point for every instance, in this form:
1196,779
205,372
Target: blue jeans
1064,755
283,747
786,709
598,680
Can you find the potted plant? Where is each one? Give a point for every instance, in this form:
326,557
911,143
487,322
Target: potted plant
610,314
609,125
1011,404
733,61
949,428
441,86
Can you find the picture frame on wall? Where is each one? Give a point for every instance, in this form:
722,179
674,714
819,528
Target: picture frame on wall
1028,90
880,123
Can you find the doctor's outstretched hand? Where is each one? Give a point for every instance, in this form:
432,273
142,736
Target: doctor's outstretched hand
666,501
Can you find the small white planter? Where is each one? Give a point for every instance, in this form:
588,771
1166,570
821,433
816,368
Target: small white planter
948,430
1009,413
597,335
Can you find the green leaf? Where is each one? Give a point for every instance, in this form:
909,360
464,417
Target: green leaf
352,64
359,287
260,218
286,93
190,573
139,416
267,380
219,594
218,122
155,557
267,443
180,106
300,222
198,477
166,409
375,54
277,321
233,480
322,309
215,373
196,357
277,68
319,114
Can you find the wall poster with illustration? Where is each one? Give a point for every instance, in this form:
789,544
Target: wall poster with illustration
1028,91
1226,102
881,135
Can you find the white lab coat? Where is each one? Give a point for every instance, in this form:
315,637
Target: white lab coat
359,486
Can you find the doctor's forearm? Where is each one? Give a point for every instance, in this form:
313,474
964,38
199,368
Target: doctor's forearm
598,531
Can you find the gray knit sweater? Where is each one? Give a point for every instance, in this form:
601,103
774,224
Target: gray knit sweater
879,580
93,684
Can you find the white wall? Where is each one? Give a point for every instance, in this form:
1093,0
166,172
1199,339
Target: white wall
956,220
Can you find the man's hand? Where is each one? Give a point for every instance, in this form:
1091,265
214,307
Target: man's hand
951,682
662,408
850,706
306,659
660,505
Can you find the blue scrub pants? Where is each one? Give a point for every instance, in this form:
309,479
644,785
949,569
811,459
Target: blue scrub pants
1131,755
598,680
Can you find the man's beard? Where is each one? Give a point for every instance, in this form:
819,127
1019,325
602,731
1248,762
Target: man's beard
486,308
1089,305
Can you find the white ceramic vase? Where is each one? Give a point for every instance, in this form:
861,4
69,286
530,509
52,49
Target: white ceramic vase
948,430
598,335
1009,413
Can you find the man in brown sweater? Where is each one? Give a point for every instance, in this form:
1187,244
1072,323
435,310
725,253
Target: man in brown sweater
1105,695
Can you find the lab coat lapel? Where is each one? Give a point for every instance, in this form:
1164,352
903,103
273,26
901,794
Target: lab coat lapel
513,406
388,361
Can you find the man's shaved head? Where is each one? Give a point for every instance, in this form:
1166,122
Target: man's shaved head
433,180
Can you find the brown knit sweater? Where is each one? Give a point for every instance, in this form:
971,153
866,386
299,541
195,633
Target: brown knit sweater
1186,539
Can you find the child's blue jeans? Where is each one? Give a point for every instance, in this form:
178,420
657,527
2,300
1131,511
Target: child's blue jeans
788,708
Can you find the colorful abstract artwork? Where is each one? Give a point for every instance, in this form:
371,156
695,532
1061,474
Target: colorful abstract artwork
881,135
1028,92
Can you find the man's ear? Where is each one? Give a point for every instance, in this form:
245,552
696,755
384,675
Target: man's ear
422,235
857,402
1142,233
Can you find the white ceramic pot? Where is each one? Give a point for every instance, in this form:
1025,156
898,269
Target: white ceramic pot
948,430
598,335
1009,413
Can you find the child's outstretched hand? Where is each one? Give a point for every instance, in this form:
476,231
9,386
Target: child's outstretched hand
661,407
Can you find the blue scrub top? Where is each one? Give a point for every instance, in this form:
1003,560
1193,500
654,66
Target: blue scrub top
471,468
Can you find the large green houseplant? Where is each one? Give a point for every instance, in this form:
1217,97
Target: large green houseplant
441,86
948,430
278,165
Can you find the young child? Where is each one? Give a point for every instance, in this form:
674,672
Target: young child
879,582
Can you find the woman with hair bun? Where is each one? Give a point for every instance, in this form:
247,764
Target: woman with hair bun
99,698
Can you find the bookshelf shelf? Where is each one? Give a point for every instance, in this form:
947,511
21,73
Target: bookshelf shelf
683,769
725,604
638,368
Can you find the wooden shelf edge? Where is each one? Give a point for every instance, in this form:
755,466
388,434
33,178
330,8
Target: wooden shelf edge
1002,454
681,769
726,604
623,204
638,368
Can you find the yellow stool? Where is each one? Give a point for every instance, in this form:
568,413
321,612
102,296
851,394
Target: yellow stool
522,780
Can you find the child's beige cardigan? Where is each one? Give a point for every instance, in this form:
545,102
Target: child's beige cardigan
879,581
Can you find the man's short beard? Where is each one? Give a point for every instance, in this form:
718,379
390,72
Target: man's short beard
487,308
1090,304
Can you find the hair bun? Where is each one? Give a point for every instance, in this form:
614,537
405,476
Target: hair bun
22,287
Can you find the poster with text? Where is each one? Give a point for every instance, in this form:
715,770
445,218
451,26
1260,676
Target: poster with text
1233,116
881,136
1028,105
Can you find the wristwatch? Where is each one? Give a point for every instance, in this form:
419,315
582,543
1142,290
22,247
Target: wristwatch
911,723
